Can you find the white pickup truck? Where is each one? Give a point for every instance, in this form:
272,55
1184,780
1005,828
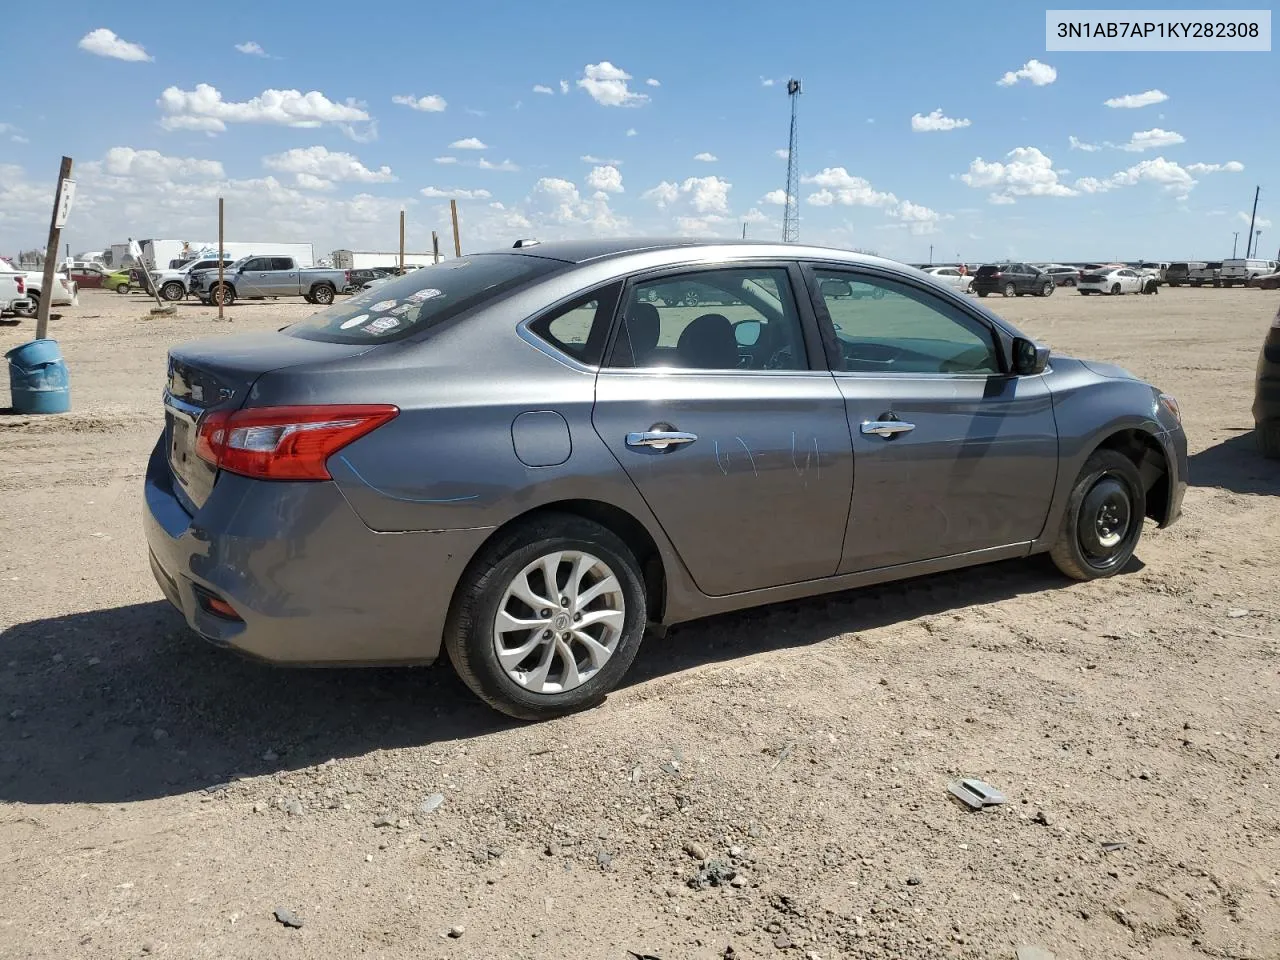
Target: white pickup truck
13,290
175,284
256,278
1243,271
65,292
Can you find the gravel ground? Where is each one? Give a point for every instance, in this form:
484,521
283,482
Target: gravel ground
767,784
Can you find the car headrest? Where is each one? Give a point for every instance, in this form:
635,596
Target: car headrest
708,343
641,327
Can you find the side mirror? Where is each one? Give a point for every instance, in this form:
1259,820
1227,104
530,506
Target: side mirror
747,332
1029,357
836,289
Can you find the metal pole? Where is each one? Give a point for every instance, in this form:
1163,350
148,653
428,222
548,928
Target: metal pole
221,258
1235,238
435,247
402,241
51,254
457,241
1248,237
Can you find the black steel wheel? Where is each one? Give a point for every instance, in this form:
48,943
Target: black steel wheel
1103,519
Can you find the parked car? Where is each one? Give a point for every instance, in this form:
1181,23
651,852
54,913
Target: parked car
173,284
1012,279
1063,275
256,278
13,290
1156,268
623,463
66,292
1116,280
1241,271
363,275
88,275
952,277
1179,272
1267,281
1209,273
1266,397
121,281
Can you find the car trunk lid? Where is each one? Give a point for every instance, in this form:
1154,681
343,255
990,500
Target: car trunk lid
218,374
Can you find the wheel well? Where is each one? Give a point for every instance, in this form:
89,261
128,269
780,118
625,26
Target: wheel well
626,527
1148,456
323,283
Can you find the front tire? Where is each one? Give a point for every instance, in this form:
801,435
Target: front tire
1010,290
534,649
122,288
1046,290
1267,436
982,293
222,295
173,290
1103,519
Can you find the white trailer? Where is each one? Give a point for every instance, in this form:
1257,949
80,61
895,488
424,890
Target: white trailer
159,254
364,259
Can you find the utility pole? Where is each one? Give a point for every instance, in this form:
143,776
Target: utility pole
1235,238
1248,237
221,258
457,240
435,247
931,254
402,241
61,207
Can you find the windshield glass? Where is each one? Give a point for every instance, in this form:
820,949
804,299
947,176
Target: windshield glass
422,298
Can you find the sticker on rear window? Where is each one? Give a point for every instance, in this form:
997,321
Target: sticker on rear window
404,309
354,322
383,324
430,293
382,306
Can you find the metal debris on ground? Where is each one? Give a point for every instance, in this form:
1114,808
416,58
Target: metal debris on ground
288,917
670,766
642,956
975,794
1111,846
785,752
430,804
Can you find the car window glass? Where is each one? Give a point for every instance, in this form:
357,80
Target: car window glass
741,318
258,263
281,263
581,328
887,327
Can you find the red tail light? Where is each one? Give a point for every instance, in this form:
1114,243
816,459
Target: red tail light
285,443
22,284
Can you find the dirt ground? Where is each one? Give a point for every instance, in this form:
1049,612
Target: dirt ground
161,798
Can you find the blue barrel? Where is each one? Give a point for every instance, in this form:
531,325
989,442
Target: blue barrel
38,378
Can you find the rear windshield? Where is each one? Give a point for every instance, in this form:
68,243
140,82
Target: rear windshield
988,270
421,299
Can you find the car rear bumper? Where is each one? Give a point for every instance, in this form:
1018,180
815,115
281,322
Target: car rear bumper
311,583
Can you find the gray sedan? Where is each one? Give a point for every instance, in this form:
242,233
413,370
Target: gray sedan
528,457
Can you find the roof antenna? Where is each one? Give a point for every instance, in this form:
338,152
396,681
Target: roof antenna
528,242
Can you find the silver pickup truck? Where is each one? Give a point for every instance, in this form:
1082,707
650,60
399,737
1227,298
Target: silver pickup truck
256,278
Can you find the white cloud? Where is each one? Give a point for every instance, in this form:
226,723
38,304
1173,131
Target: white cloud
1261,223
436,193
607,178
1000,199
564,86
1038,73
506,166
592,158
253,49
631,131
1131,101
557,202
607,85
777,198
155,166
702,195
325,164
840,186
936,121
540,88
1152,139
105,43
446,160
1231,166
431,103
664,194
653,83
204,109
767,81
755,215
706,157
1028,172
782,153
309,181
1081,145
1164,172
470,143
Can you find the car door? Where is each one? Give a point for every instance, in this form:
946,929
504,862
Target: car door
715,401
254,278
284,277
951,454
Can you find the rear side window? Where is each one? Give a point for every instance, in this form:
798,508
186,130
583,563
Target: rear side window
422,299
581,328
281,263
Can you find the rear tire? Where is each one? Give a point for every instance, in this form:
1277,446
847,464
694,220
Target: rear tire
492,585
1115,289
1085,293
122,288
1267,436
982,293
322,294
1010,290
1103,519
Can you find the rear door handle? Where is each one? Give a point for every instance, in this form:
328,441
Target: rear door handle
886,428
659,439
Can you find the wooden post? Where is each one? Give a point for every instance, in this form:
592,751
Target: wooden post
457,242
402,241
51,254
221,258
435,247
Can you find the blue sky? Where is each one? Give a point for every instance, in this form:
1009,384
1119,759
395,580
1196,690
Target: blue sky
333,120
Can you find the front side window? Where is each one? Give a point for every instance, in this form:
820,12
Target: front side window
739,318
422,299
257,263
887,327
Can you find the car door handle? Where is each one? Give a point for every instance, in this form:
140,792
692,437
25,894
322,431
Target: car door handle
886,428
659,439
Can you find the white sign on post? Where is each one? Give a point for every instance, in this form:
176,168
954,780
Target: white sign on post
65,198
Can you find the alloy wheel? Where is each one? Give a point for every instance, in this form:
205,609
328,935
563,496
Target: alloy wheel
559,622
